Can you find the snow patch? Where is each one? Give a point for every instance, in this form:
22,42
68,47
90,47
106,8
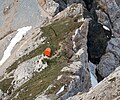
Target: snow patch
74,37
59,77
77,32
80,51
13,42
1,94
94,81
61,90
106,28
80,20
74,46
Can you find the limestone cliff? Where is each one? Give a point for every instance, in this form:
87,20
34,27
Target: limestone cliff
84,38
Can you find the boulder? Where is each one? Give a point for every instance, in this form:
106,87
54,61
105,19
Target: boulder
107,64
110,60
108,14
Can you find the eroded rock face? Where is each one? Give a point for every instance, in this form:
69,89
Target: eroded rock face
110,60
108,89
112,8
79,67
103,18
89,43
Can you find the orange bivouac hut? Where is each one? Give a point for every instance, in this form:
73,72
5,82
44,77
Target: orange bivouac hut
47,52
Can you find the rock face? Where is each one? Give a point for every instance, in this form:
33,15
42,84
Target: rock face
84,37
108,89
79,67
113,8
65,3
110,60
49,6
72,10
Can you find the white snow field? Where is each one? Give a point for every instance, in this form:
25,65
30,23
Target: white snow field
13,42
61,90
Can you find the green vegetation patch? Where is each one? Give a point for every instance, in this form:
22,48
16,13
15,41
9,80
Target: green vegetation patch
5,84
63,81
40,81
55,34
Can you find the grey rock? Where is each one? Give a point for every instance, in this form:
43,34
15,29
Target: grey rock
51,7
107,64
72,10
65,3
117,2
108,89
28,14
110,60
3,5
116,25
114,47
25,70
103,18
1,94
113,9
